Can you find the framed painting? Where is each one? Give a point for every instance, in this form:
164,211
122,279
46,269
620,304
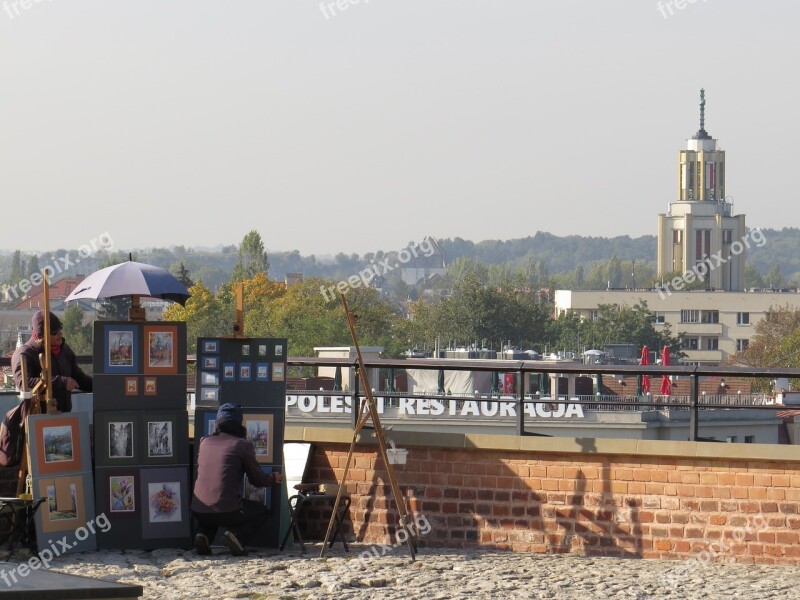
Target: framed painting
210,362
205,423
209,394
261,433
116,438
211,346
245,349
122,499
262,349
262,371
160,349
278,349
278,371
260,495
164,502
244,371
131,386
209,378
160,441
229,372
121,351
59,443
150,386
65,507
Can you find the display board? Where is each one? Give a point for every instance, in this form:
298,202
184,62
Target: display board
250,372
141,434
60,462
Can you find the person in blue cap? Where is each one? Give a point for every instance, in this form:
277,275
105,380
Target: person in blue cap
223,459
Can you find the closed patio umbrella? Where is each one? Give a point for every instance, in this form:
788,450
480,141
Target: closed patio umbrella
645,379
666,383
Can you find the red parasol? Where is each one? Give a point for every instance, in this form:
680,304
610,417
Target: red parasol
645,378
666,384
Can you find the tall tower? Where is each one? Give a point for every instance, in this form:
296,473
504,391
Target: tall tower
700,226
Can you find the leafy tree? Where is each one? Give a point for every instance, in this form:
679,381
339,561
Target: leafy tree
17,268
182,275
252,258
774,277
614,272
776,343
204,316
77,334
33,265
752,279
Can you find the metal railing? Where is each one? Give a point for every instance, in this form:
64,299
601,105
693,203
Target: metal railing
693,402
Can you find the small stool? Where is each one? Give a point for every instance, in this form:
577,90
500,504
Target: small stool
297,502
19,514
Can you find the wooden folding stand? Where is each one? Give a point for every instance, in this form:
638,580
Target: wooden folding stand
368,410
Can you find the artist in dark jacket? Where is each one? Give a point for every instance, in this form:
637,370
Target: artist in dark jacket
66,374
223,459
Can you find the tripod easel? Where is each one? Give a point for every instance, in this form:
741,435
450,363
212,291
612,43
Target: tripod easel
368,410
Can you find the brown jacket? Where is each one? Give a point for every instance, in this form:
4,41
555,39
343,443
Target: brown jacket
222,462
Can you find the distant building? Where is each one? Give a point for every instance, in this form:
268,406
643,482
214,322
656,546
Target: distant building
292,278
701,239
420,267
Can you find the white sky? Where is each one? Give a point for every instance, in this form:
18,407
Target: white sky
192,122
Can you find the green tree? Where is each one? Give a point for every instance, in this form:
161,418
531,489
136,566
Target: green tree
614,272
774,277
182,275
252,258
78,334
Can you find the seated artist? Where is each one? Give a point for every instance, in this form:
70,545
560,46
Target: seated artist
222,461
65,374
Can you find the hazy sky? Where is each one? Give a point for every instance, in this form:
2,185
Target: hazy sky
192,122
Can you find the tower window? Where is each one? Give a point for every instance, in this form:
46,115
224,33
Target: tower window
727,236
677,236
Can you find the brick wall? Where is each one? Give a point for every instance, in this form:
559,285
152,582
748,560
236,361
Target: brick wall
592,504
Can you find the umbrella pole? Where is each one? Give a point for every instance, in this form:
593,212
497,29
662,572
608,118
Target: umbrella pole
45,357
136,312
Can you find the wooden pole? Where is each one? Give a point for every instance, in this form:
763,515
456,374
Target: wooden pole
369,410
238,322
46,356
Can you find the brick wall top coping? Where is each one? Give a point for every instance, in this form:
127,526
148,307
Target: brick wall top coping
554,445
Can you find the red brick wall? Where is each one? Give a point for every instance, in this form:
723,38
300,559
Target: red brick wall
634,506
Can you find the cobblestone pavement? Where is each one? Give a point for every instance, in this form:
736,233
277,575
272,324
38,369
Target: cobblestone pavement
179,574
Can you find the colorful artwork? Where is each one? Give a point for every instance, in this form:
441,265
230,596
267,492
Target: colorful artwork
259,430
122,494
164,502
58,444
160,346
150,386
120,348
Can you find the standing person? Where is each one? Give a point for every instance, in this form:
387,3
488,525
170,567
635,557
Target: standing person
223,459
66,375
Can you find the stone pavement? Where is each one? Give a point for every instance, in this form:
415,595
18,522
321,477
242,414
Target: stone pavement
437,573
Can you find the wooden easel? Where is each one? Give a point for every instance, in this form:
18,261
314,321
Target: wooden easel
368,410
33,397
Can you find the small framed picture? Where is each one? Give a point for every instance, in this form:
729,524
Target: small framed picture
262,371
210,362
121,353
244,372
120,440
278,349
229,372
159,439
277,372
260,432
210,394
131,386
150,388
122,494
262,349
208,378
211,346
245,349
160,349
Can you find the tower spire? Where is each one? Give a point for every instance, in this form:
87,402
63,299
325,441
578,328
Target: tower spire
702,109
702,134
